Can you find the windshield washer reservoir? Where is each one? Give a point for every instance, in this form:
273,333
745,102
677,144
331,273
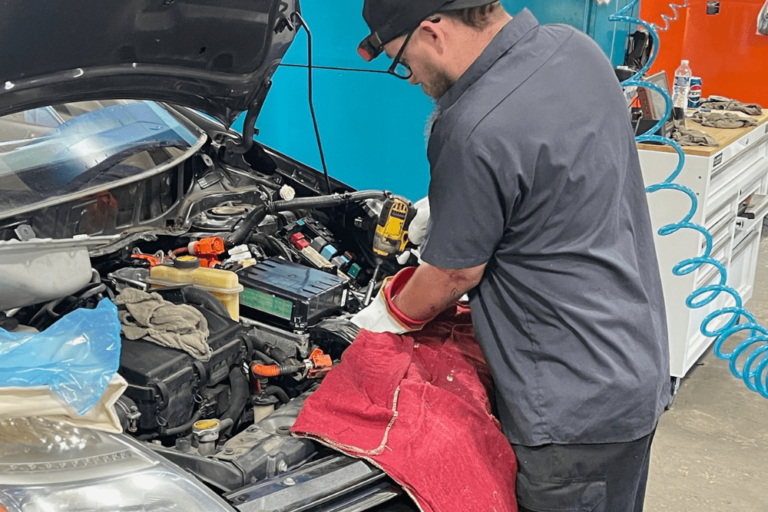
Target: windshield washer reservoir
41,270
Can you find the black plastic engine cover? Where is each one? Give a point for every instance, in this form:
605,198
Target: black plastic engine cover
164,381
263,450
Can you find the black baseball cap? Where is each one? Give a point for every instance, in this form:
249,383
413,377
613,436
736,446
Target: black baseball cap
390,19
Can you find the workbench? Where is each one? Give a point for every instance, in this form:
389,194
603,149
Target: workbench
723,178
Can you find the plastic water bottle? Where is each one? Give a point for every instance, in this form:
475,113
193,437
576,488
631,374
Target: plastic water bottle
682,85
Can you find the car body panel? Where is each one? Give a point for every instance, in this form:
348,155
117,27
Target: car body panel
212,55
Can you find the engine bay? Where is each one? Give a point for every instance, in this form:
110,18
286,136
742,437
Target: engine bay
275,264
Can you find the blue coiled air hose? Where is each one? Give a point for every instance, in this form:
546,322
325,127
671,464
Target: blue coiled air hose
755,347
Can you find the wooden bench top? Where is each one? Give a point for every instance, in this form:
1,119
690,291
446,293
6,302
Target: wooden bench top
724,136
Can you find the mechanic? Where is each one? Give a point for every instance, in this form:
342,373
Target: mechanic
538,210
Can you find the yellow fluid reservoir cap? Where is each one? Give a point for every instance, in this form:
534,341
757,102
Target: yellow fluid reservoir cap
186,262
206,425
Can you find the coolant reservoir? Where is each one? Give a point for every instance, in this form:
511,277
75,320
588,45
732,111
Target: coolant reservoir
223,284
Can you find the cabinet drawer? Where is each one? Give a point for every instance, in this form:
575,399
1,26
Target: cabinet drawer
754,177
742,156
758,208
695,340
717,211
720,231
710,274
741,275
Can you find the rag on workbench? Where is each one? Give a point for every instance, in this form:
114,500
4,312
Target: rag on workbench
417,406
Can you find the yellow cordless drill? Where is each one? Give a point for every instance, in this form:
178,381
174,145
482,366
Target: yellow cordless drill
391,235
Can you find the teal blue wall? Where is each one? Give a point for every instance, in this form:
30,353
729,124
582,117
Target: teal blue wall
585,15
372,124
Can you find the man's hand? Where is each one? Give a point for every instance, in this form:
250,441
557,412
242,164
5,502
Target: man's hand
417,231
415,296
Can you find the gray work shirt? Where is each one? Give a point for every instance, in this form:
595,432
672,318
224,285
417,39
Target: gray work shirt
534,171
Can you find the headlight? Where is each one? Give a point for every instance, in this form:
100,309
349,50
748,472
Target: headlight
52,467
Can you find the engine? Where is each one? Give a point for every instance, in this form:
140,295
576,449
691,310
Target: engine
228,419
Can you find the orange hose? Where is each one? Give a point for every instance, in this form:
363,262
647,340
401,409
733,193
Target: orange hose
263,370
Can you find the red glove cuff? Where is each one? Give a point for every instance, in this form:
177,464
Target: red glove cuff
391,290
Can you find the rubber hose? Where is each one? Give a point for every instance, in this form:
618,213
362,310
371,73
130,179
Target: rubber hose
278,393
278,355
258,354
249,129
250,221
259,213
47,308
87,294
275,370
239,391
305,203
256,342
264,181
279,248
249,124
172,431
206,300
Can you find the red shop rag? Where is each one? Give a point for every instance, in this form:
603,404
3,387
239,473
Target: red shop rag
417,407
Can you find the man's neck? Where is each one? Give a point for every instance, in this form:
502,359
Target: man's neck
474,46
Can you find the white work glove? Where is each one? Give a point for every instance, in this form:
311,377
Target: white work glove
417,231
376,318
382,315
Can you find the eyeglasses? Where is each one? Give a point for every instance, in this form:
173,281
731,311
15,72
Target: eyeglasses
398,68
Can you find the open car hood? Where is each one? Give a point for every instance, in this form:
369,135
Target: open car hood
211,55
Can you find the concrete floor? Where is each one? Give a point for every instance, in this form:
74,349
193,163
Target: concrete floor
711,448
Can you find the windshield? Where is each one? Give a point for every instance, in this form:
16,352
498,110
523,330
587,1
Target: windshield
59,150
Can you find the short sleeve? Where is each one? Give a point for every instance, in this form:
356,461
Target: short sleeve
468,206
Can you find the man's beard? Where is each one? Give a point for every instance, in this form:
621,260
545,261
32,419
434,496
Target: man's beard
435,83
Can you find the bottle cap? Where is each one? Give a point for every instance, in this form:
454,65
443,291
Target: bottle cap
287,192
685,62
186,263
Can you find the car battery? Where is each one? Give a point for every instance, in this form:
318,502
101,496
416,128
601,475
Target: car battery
164,381
289,294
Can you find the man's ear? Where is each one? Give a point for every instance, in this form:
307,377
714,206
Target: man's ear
432,34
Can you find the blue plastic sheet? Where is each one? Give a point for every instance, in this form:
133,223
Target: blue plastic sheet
76,357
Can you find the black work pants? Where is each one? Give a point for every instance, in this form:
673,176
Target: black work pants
583,477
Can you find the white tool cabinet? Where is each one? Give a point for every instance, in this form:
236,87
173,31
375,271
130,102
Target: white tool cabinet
722,179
